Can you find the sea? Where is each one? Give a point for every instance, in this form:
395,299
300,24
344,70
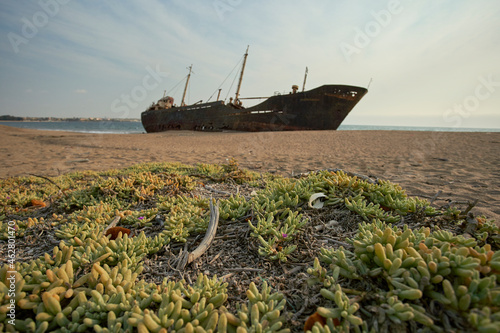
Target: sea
128,127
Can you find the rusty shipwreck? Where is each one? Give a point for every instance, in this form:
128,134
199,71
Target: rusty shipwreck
322,108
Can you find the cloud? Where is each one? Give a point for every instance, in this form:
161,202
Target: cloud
423,61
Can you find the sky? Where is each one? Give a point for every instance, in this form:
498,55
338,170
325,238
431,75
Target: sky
425,63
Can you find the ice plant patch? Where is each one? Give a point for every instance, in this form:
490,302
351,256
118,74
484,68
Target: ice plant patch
389,262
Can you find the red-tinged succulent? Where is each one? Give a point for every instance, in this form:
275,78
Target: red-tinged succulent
313,319
38,203
115,231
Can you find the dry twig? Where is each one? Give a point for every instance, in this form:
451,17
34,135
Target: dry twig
207,240
112,224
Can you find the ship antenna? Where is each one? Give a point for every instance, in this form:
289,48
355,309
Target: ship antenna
305,77
241,76
187,82
371,79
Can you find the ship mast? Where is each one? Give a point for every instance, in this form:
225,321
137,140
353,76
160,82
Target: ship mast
241,77
305,77
185,88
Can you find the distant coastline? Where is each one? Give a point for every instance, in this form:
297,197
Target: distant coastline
85,125
56,119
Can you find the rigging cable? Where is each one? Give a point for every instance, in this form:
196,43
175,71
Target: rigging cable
225,80
176,86
229,91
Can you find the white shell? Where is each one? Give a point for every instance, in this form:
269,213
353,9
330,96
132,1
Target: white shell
314,202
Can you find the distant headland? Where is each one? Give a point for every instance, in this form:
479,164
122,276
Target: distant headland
14,118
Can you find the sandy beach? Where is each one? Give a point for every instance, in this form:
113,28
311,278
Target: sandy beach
464,166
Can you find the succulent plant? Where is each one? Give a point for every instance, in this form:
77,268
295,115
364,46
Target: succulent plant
407,269
388,275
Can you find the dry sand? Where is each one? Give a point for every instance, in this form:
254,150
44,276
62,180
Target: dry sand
464,166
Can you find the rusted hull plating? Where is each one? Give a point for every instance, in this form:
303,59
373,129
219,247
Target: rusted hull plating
322,108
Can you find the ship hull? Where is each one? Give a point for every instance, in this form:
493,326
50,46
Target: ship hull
322,108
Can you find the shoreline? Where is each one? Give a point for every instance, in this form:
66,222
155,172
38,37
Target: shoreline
463,165
343,127
70,120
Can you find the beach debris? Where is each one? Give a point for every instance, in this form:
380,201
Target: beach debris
80,160
207,240
314,201
328,225
159,220
112,224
